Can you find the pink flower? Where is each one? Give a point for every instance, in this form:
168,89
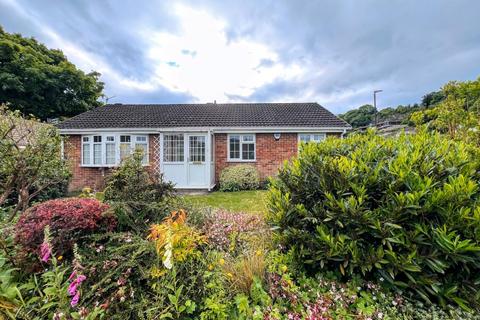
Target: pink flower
45,252
74,273
73,287
75,299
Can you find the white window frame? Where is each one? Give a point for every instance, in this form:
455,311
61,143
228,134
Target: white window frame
311,134
241,135
90,143
183,148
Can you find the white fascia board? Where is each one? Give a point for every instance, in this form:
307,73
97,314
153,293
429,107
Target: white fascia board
279,129
206,129
107,130
254,129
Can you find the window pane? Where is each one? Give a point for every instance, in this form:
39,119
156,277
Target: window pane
248,138
124,138
318,137
248,151
110,153
141,139
97,138
197,149
86,154
111,138
97,154
305,138
144,149
234,147
86,139
125,150
173,148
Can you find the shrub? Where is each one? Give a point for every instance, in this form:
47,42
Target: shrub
239,177
138,198
401,209
231,232
30,165
130,182
69,220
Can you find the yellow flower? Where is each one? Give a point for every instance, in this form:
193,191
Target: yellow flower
258,253
221,261
284,268
59,258
210,267
230,275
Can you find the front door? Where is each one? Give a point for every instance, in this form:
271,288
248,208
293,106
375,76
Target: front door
196,164
184,159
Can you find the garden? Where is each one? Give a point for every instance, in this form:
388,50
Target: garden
364,227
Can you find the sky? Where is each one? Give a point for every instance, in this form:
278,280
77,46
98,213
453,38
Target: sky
331,52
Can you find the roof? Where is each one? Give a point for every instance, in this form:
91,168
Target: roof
205,115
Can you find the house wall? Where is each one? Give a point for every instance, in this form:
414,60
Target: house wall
90,176
270,155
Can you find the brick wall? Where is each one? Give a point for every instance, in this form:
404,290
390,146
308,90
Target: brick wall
94,177
270,153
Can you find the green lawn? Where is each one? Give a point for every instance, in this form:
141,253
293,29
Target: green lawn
240,201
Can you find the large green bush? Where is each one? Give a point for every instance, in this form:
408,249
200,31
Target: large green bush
239,177
400,210
137,197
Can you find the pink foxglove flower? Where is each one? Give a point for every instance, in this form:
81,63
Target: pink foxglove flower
45,251
75,299
74,273
73,288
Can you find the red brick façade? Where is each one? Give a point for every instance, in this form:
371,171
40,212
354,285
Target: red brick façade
270,155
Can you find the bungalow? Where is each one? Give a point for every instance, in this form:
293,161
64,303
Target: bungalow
192,143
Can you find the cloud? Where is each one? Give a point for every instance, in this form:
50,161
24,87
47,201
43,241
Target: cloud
219,68
328,51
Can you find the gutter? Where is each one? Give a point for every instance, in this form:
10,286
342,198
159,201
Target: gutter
205,129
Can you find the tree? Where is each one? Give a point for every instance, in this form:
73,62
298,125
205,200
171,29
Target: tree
456,114
432,98
42,82
30,158
360,117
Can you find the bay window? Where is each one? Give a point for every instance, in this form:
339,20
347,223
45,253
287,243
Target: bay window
241,147
110,149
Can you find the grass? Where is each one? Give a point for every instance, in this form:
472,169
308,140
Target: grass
240,201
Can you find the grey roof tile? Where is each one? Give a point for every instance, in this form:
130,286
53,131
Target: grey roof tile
205,115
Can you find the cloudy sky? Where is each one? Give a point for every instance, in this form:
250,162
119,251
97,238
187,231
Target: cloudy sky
333,52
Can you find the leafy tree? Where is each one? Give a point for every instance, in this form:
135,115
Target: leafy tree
30,159
432,98
365,115
42,82
457,113
360,117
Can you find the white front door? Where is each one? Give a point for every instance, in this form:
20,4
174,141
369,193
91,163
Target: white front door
185,159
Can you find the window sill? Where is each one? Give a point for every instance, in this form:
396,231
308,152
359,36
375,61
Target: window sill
106,166
235,160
